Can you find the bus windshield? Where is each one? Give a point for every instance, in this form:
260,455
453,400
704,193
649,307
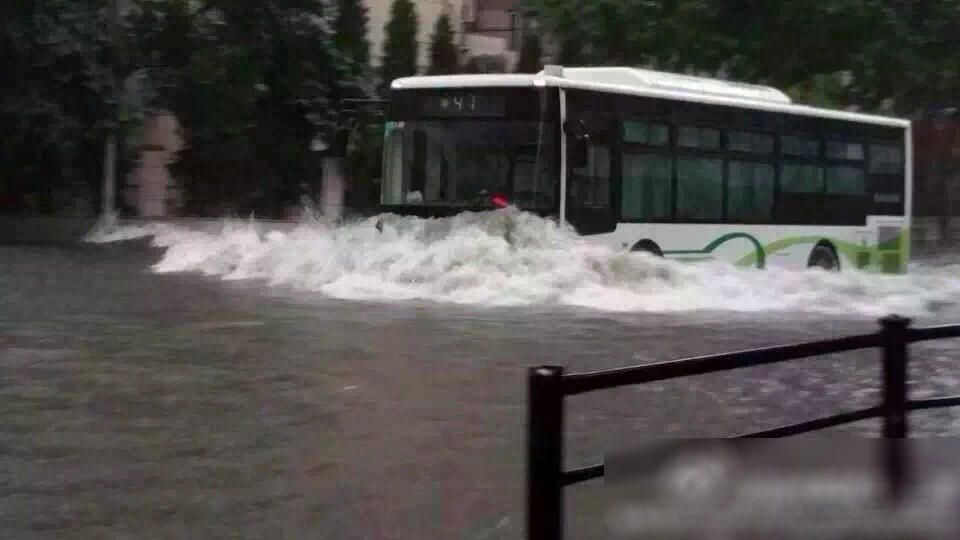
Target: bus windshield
470,163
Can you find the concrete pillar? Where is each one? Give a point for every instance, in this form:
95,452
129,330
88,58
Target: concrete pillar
333,188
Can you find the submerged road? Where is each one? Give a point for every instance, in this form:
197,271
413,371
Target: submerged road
177,405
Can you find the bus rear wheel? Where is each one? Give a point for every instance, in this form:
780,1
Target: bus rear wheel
823,256
648,246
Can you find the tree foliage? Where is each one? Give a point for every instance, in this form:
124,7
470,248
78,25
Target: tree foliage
363,165
400,42
443,53
253,95
350,32
56,99
251,82
897,53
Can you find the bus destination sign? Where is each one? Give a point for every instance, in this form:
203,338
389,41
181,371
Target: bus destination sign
464,105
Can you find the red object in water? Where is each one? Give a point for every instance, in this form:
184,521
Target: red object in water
500,201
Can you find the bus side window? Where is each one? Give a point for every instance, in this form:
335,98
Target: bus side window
750,189
647,192
699,188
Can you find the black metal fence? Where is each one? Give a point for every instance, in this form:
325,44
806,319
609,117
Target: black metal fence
549,385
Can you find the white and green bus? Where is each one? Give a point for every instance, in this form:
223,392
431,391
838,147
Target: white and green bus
683,167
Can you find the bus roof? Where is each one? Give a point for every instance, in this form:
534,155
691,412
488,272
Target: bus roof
656,84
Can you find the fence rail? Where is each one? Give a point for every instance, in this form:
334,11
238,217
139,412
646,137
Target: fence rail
549,385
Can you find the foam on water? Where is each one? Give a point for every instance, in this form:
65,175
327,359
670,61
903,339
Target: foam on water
509,257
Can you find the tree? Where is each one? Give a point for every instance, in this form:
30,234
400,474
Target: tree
894,55
400,42
363,164
350,33
443,53
252,101
56,100
530,54
251,82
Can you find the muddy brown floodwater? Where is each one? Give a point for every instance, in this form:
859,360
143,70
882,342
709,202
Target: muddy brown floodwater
138,405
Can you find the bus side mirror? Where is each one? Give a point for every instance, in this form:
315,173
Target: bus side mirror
577,139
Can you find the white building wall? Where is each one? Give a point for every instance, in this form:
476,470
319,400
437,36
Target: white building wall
428,11
481,44
150,189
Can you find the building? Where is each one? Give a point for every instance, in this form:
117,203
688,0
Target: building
482,28
428,11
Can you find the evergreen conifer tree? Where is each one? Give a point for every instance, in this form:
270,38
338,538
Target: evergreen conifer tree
350,32
400,42
443,53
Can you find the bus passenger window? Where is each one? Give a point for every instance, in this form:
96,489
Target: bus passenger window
846,181
844,150
801,179
885,159
703,138
753,143
699,189
799,146
750,192
647,134
646,187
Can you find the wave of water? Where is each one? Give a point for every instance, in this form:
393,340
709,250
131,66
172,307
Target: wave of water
509,257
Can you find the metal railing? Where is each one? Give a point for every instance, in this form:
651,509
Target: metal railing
549,385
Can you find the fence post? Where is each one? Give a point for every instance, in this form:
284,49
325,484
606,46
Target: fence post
893,333
545,453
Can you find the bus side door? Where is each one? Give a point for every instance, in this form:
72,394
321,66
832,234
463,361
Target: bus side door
591,162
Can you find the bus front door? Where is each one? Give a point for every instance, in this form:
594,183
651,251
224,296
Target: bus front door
588,205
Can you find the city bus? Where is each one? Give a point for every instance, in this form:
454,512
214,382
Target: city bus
677,166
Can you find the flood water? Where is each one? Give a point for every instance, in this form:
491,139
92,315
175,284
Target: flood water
196,390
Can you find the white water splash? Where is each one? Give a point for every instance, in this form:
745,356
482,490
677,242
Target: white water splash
512,258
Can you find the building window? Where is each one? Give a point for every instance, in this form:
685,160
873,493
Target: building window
645,133
801,179
750,192
699,189
703,138
647,193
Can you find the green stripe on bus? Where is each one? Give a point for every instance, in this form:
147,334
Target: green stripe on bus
879,256
758,257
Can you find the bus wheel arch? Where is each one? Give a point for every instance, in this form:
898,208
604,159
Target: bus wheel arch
824,255
648,246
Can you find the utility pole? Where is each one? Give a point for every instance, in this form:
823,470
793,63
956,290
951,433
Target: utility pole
110,149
